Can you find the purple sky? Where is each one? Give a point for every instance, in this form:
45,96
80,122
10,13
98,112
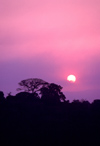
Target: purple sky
50,39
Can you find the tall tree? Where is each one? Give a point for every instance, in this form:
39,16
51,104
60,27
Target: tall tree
32,85
52,93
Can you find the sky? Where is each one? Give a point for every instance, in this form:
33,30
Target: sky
50,39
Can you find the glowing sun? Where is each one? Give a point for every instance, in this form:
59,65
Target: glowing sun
71,78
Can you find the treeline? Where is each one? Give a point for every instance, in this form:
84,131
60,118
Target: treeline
26,119
41,115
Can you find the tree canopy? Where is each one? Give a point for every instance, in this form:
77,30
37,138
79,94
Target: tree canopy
49,92
31,85
52,93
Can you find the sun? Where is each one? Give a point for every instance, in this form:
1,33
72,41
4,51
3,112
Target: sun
71,78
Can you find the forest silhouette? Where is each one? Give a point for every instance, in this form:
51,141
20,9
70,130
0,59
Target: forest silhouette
41,115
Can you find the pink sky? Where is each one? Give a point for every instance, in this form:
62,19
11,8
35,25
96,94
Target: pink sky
50,39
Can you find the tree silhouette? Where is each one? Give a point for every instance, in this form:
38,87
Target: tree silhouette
31,85
1,96
52,93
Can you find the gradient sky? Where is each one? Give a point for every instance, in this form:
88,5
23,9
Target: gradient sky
50,39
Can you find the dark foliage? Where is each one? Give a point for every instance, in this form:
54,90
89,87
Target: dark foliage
31,85
52,94
25,119
2,96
